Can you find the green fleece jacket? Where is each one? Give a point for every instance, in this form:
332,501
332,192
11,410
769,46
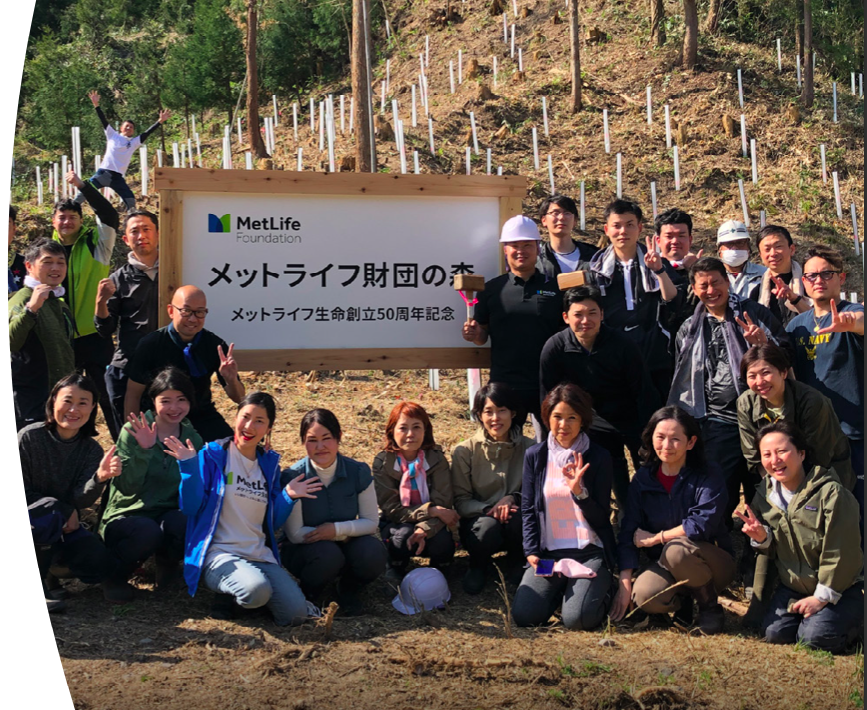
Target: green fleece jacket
49,329
484,471
813,413
386,483
90,259
149,481
816,541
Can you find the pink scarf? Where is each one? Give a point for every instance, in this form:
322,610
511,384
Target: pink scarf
413,471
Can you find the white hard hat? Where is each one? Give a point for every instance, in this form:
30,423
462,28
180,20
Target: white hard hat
423,589
520,229
732,231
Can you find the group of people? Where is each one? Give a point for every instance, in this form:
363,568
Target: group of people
710,374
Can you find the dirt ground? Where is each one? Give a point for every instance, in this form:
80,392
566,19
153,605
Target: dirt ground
164,651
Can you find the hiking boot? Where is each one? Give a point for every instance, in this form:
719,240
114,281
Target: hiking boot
711,617
685,615
117,591
53,588
474,580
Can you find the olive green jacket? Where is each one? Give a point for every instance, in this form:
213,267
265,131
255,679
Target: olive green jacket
817,540
386,482
813,413
484,471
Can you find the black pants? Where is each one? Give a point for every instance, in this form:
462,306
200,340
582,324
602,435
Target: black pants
135,538
356,561
614,443
484,536
81,552
529,401
722,445
93,353
440,548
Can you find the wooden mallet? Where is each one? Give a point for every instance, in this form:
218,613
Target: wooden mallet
468,285
571,280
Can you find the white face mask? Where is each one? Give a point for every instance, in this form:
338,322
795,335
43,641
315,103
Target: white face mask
734,257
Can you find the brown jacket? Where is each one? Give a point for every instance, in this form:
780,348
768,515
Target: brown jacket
386,482
484,471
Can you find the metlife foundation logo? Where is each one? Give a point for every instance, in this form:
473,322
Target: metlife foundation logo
252,230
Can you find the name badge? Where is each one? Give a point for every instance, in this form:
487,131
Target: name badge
810,507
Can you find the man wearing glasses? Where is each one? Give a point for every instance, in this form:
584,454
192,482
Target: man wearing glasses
561,254
184,343
829,349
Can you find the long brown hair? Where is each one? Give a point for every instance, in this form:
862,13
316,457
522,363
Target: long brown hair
414,411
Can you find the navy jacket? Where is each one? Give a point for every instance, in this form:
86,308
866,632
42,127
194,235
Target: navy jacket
596,507
697,501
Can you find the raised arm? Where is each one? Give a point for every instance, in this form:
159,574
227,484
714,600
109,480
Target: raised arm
164,116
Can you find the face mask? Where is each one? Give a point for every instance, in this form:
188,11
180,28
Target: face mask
734,257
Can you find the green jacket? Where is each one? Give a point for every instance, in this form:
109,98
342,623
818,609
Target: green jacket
40,340
813,413
484,471
817,540
90,260
149,481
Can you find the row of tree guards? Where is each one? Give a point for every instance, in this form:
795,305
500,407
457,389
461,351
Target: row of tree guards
361,121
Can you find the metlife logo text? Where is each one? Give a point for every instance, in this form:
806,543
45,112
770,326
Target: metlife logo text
251,230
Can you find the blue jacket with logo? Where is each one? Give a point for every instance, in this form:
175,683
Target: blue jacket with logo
203,485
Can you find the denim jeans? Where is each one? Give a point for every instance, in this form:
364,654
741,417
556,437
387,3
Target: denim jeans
831,629
109,178
584,601
254,584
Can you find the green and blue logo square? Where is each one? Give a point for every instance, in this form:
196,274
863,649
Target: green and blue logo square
219,225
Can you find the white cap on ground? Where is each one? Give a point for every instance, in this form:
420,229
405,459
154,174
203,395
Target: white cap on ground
732,231
520,229
423,589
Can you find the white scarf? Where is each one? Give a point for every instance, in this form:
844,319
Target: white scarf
32,283
560,456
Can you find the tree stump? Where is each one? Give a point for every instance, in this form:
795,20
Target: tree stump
484,93
681,135
501,132
473,69
794,114
347,164
518,77
594,36
383,128
265,164
496,9
468,139
729,126
557,19
525,12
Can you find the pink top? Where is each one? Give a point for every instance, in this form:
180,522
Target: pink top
565,526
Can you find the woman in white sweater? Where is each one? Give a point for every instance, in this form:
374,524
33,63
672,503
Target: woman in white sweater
331,537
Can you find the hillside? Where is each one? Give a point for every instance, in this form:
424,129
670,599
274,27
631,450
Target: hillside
164,651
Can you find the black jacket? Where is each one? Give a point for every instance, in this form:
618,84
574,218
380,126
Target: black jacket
697,501
613,373
547,262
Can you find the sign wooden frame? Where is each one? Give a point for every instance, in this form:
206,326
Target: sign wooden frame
173,183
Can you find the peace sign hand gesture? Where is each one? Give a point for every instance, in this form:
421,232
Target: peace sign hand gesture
846,322
177,450
574,472
228,366
145,435
752,527
652,260
753,334
781,290
109,467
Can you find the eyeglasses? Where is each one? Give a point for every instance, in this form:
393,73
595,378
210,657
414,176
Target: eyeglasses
559,214
185,312
816,275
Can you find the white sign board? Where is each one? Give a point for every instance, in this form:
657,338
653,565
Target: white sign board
336,271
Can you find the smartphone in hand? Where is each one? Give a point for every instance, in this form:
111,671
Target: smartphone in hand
545,568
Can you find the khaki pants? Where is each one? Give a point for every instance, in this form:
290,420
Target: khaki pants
696,563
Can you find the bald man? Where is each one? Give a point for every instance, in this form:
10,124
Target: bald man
199,353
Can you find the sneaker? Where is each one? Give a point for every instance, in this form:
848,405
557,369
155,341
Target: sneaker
711,620
117,591
349,603
55,605
474,580
54,589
